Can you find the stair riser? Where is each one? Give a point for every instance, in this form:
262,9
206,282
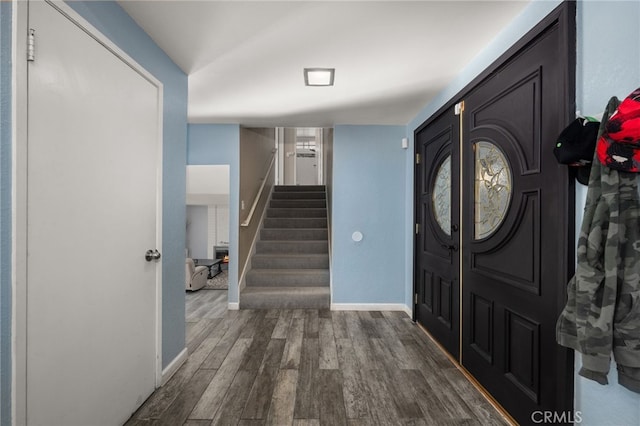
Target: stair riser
292,247
257,279
284,262
296,213
295,222
293,234
299,204
294,300
298,195
299,188
317,302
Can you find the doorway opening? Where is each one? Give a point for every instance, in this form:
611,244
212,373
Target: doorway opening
300,160
207,242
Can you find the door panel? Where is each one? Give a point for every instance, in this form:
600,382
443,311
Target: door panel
515,270
523,239
93,170
437,213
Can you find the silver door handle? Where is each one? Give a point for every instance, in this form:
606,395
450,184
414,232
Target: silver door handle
152,255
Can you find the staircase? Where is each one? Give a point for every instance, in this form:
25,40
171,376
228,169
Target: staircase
290,268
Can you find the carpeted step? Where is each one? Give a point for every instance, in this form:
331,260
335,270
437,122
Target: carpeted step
293,261
299,204
290,195
293,222
293,234
292,247
285,298
296,213
290,268
288,278
298,188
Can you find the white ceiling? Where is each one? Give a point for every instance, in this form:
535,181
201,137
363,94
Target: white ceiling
245,59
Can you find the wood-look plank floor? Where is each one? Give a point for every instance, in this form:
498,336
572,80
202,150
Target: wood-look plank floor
310,367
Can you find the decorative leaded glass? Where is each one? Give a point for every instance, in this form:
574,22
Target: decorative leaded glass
492,188
442,196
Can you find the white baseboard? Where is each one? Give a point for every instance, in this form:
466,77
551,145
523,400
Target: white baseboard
408,311
174,365
233,306
370,307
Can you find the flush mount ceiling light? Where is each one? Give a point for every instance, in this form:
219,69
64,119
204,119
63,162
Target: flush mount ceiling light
319,76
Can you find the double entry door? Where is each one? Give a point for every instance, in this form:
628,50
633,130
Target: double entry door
492,216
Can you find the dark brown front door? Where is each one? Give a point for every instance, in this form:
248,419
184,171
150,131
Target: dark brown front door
515,234
437,243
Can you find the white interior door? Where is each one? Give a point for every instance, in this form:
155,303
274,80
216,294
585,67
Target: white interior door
93,179
306,168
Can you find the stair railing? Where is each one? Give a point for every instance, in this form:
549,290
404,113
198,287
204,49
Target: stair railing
247,221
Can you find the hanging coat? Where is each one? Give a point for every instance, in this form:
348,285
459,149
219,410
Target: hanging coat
602,315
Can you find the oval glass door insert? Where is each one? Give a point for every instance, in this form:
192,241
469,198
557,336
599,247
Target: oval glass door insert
442,196
492,188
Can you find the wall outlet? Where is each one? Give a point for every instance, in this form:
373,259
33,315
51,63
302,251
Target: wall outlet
242,205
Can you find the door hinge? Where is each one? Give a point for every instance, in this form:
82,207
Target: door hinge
415,299
418,159
459,108
417,228
31,42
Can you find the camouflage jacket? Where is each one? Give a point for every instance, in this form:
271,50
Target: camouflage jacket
602,314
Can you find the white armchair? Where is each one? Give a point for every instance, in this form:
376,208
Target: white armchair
196,276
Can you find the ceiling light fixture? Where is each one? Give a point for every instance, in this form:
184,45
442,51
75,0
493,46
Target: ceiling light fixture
319,76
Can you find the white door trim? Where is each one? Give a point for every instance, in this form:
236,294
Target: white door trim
19,194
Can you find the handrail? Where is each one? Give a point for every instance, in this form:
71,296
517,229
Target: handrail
247,221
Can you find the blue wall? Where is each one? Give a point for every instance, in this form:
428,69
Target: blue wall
5,212
368,196
608,64
109,18
220,144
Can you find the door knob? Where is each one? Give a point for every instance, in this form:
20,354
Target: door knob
152,255
452,247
